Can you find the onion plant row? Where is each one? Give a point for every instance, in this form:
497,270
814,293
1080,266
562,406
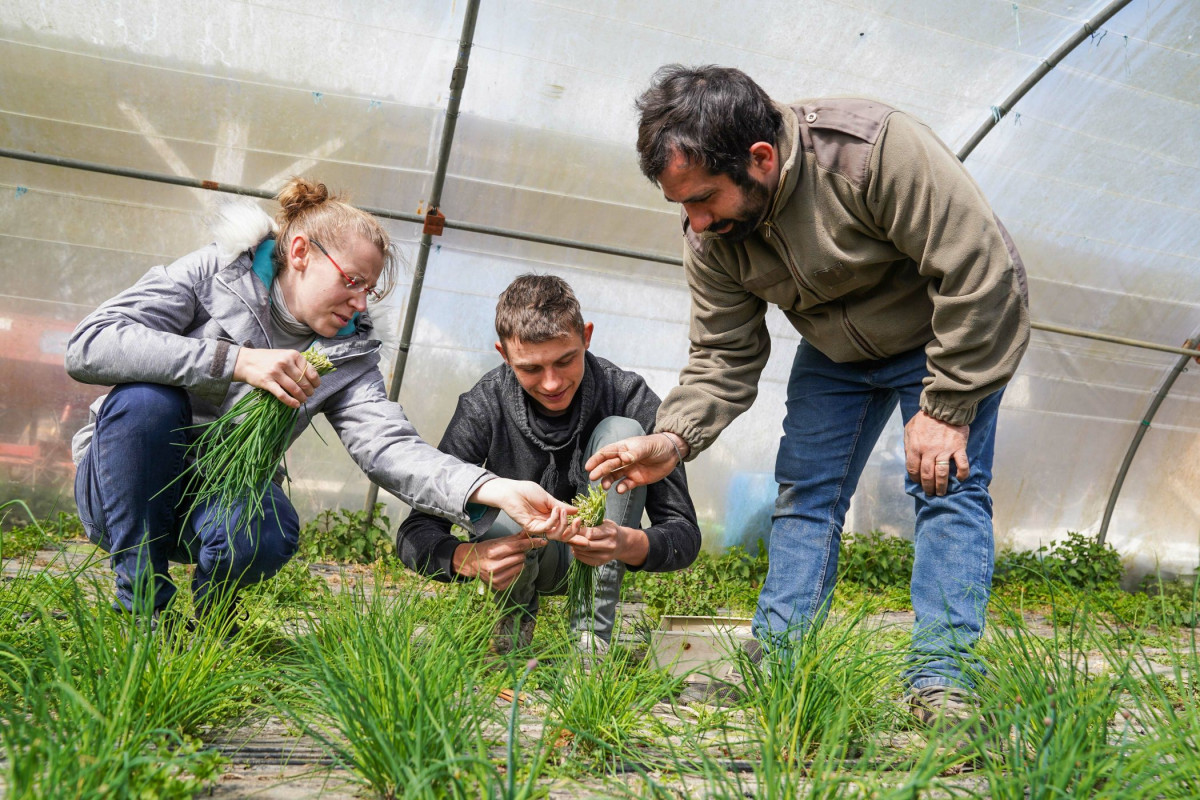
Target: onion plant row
96,702
399,686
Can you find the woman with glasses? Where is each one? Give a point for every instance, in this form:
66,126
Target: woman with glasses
189,339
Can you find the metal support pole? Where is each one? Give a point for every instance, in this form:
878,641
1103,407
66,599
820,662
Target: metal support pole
458,80
382,213
1147,418
1189,351
486,230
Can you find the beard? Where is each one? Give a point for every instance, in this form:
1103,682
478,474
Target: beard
756,202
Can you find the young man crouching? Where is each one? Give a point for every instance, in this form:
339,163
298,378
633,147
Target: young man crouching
539,416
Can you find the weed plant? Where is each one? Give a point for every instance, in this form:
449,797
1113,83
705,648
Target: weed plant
23,539
875,560
345,537
875,569
713,583
397,694
292,589
1078,561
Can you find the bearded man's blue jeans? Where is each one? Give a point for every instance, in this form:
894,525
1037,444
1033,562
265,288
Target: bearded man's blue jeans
835,414
133,506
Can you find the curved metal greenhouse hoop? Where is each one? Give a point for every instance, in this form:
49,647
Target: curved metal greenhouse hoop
998,112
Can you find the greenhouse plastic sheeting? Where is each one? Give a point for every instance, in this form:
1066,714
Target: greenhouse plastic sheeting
1096,172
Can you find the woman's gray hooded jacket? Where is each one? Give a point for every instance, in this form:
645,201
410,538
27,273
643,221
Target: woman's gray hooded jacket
184,324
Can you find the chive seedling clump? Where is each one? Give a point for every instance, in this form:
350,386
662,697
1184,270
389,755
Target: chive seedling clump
236,456
581,578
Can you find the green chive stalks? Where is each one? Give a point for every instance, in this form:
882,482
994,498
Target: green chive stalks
236,456
581,578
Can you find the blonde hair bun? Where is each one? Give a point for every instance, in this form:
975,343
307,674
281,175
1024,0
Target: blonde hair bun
299,195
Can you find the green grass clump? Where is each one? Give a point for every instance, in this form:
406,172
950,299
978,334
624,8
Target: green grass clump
600,708
1050,713
95,703
397,693
830,686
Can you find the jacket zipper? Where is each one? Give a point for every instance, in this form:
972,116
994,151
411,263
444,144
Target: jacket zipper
790,260
253,313
348,356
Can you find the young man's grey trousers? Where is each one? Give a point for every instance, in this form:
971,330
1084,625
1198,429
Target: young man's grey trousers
546,568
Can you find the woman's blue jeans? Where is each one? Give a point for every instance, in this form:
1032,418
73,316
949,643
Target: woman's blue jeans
133,507
835,414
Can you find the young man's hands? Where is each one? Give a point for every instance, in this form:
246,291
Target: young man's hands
496,562
606,542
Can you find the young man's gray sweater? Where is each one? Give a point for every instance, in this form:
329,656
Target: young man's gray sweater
491,427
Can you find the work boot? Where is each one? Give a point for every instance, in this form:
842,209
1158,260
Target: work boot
513,631
592,649
942,709
952,715
223,616
169,624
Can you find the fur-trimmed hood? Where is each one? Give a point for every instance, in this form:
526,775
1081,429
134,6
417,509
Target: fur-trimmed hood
237,225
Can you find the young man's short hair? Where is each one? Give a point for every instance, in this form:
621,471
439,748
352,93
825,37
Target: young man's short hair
538,308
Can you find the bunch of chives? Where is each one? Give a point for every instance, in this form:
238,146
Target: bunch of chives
581,578
236,455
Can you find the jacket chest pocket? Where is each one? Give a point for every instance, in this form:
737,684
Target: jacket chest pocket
833,276
777,287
